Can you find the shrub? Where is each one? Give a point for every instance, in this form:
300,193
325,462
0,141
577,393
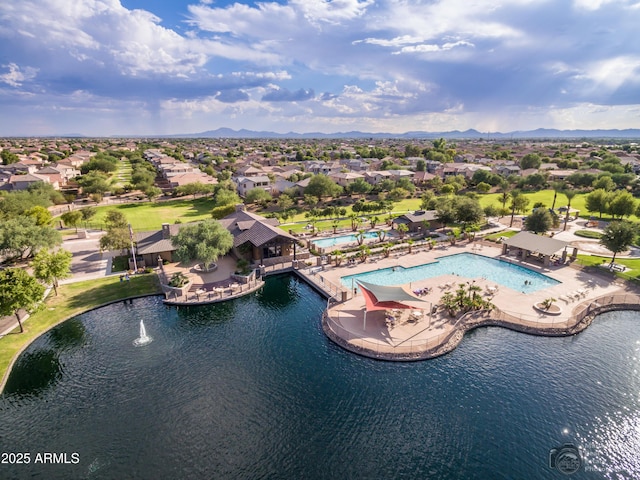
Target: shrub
588,234
178,280
221,212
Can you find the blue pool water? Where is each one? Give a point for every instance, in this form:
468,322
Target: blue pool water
333,241
465,265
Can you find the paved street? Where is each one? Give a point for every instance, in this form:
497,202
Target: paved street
87,261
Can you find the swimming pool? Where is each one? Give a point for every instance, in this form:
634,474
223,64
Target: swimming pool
333,241
466,265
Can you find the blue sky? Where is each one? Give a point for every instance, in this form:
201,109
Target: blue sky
108,67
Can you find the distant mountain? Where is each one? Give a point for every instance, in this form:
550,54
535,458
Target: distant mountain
540,133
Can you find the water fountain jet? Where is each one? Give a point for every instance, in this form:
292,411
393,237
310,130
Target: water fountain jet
143,339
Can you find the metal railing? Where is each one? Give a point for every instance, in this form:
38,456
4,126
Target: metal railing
215,294
542,324
406,348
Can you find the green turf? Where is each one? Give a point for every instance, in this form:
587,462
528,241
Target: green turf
588,234
123,174
497,235
72,300
632,264
147,216
546,197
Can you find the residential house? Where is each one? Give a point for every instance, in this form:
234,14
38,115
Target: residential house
22,182
53,174
398,174
67,171
181,168
249,171
377,176
345,179
186,178
281,184
249,183
303,184
506,170
420,178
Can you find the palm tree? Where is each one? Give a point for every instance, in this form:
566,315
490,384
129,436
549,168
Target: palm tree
410,243
558,187
374,221
569,194
514,196
363,252
355,221
402,230
504,198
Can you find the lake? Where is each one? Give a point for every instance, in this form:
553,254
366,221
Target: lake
252,388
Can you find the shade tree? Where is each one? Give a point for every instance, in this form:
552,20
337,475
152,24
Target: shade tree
72,218
51,267
18,290
204,242
618,236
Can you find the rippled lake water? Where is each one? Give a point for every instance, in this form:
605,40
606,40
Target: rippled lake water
253,389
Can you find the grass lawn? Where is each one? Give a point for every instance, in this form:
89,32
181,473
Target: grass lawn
632,264
497,235
151,215
123,173
546,197
72,300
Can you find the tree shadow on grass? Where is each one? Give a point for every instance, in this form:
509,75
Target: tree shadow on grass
110,292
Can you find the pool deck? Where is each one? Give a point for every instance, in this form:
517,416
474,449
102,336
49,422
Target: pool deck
580,296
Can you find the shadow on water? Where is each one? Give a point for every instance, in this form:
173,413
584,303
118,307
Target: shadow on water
34,373
207,315
280,291
68,335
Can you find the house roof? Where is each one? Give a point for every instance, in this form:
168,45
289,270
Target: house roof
159,246
29,177
418,216
249,227
154,241
536,243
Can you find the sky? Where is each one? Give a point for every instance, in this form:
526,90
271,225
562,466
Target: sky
145,67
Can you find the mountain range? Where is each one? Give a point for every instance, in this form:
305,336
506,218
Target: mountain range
540,133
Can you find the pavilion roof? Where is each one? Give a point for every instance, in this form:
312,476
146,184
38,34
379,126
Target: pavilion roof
536,243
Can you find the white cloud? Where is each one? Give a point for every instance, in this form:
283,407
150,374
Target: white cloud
16,76
354,62
612,73
332,12
424,48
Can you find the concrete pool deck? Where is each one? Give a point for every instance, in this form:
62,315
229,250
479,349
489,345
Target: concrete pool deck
429,335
